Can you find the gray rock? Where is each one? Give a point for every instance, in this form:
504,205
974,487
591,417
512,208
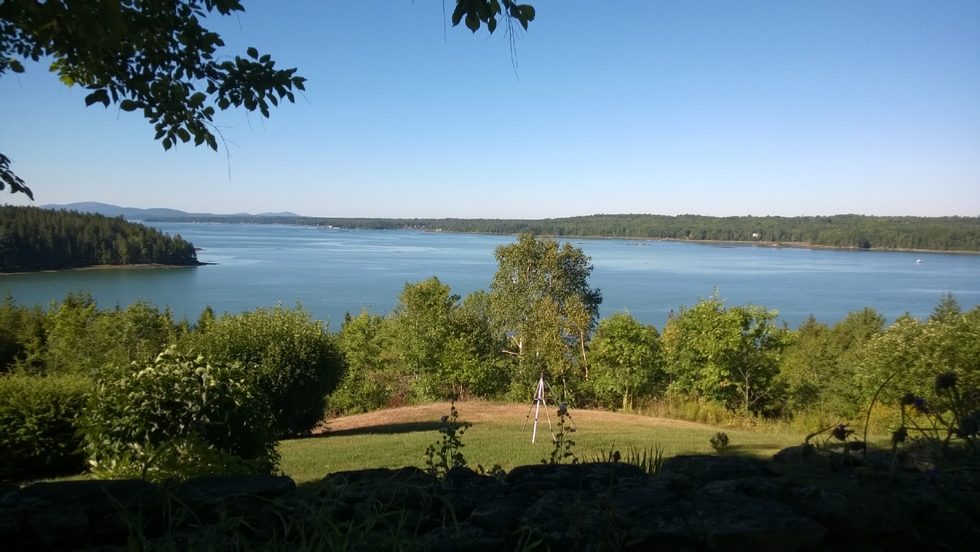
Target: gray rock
465,538
56,515
802,500
463,490
541,478
500,514
689,472
735,522
200,490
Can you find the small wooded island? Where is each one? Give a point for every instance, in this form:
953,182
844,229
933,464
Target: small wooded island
33,239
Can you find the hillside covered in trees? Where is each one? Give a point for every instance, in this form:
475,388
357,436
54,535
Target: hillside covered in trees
42,239
840,231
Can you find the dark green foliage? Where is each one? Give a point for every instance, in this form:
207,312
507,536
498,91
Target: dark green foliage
370,382
22,334
562,445
910,354
726,355
430,347
947,424
650,460
38,424
947,309
81,339
625,362
8,178
447,453
819,367
289,357
443,349
541,301
477,12
178,416
42,239
151,57
719,442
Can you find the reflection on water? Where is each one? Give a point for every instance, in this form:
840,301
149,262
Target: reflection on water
335,271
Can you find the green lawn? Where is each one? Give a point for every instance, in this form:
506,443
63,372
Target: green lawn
397,438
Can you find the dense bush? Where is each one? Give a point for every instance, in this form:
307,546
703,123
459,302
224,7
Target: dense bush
367,385
625,362
38,425
290,358
178,416
21,332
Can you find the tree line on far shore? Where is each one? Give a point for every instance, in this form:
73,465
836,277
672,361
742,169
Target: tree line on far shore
839,231
44,239
127,385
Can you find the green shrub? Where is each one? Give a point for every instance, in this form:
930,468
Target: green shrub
38,425
179,416
291,358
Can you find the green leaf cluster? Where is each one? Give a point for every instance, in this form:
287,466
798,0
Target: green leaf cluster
541,302
726,355
177,417
76,337
151,56
11,180
430,347
39,424
290,357
625,362
474,13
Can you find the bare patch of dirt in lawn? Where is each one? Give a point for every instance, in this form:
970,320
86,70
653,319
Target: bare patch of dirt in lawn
476,412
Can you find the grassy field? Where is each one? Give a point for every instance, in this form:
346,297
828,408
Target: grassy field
398,437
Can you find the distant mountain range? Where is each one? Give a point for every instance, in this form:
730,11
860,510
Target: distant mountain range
132,213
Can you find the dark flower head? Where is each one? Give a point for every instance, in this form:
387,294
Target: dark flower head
562,409
974,397
899,435
969,426
920,405
944,381
908,399
841,432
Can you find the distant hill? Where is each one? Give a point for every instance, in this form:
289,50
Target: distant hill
133,213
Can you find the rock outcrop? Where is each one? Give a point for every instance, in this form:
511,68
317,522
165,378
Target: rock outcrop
804,499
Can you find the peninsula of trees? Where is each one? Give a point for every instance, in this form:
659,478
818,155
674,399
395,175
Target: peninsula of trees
41,239
839,231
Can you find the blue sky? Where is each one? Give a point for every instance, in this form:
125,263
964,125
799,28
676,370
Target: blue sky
714,108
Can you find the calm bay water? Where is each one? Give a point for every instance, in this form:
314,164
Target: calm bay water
335,271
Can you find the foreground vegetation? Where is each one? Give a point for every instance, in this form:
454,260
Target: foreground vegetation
42,239
838,231
132,392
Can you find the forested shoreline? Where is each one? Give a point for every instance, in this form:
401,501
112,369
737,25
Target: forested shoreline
33,239
839,231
